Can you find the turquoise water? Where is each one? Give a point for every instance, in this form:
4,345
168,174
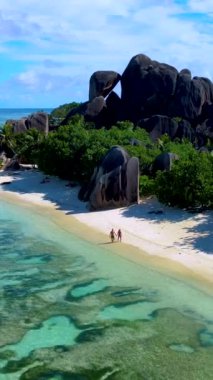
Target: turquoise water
70,309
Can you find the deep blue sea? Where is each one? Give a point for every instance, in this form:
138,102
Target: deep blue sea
18,113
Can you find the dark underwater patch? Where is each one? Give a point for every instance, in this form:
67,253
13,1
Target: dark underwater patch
126,292
206,338
41,373
90,335
16,365
128,303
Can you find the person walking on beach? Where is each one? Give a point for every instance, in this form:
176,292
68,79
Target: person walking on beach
119,235
112,235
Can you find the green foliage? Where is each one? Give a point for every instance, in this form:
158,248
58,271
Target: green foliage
189,183
1,163
62,110
74,150
182,149
146,155
7,140
125,125
146,186
177,119
59,113
27,145
7,131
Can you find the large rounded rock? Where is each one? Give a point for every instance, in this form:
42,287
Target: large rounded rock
190,96
93,111
204,132
79,110
159,125
146,87
18,126
102,83
39,121
185,131
163,162
115,182
12,164
94,108
208,90
114,109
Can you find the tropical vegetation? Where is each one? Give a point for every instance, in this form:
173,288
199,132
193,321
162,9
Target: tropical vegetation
73,151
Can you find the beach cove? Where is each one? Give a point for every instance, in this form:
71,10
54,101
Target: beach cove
139,305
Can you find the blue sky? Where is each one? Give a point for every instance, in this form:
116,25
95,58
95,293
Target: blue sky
50,48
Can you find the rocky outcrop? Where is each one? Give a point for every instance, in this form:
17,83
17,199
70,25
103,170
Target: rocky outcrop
38,120
115,182
158,125
113,109
99,111
204,132
185,131
154,96
147,87
163,162
190,96
12,164
18,126
93,111
102,83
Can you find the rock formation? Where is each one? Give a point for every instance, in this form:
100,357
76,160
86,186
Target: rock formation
154,96
102,83
146,87
114,183
38,120
163,162
93,111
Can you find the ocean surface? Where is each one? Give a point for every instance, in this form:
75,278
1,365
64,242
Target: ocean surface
73,310
18,113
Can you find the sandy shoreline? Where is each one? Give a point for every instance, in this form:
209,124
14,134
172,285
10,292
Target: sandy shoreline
179,241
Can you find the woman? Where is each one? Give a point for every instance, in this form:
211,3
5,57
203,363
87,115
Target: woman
119,235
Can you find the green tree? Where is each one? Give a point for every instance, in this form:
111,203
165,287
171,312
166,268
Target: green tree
27,145
59,113
189,183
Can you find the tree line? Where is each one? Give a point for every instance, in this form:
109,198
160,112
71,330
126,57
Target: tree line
73,151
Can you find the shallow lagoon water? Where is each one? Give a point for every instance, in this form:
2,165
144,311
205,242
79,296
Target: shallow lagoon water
70,309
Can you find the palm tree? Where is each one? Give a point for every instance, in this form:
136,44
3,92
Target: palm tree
6,146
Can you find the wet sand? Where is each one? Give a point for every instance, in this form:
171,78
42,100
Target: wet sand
169,240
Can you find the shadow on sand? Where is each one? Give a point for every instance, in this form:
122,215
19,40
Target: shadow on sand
54,190
151,209
66,199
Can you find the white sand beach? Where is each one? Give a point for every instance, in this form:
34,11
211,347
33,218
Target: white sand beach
166,237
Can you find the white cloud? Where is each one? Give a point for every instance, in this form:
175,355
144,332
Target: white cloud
62,43
203,6
28,79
